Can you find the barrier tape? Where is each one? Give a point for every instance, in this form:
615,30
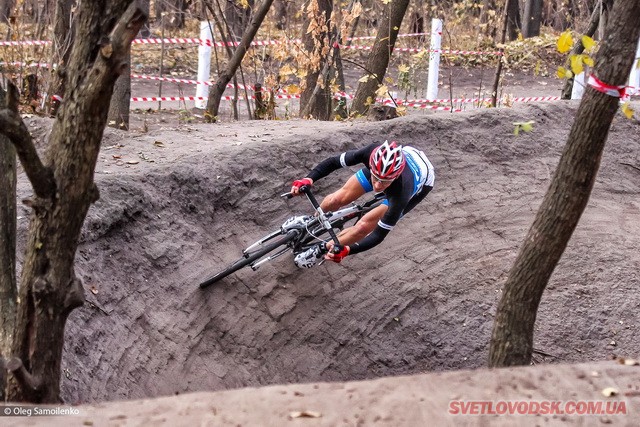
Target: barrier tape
206,42
24,64
607,89
183,40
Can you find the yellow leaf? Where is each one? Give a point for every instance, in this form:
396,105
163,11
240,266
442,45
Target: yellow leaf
386,1
627,110
420,54
39,245
293,89
528,126
588,42
587,60
403,68
561,73
395,28
576,64
286,70
382,90
364,79
565,41
523,126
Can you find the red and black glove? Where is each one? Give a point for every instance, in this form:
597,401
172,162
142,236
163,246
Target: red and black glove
301,183
338,256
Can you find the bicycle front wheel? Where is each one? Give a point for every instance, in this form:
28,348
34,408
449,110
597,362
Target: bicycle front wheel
251,257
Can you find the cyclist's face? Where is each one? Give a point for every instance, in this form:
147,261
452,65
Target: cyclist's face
380,184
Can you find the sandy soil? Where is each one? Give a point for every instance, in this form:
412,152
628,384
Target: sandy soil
436,399
179,201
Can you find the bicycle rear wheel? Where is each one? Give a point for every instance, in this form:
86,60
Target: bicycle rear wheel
251,257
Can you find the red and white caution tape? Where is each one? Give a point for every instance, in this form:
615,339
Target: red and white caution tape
205,42
25,43
399,35
24,64
167,98
607,89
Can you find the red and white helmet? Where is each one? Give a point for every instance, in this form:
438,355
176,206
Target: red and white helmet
387,161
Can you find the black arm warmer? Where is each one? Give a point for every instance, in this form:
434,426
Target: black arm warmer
373,239
324,168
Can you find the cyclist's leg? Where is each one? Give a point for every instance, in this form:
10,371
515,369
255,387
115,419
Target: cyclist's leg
350,191
363,227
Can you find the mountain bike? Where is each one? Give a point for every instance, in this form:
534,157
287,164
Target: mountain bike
299,235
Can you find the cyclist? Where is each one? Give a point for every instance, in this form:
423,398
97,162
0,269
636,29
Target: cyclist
404,174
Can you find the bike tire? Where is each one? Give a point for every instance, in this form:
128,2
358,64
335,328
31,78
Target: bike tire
253,256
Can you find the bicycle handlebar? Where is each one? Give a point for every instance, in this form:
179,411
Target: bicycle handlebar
306,190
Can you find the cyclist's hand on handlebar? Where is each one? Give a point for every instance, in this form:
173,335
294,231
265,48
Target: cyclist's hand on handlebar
295,187
337,256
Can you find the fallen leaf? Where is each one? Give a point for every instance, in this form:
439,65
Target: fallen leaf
132,162
305,414
116,156
93,290
628,362
609,391
158,143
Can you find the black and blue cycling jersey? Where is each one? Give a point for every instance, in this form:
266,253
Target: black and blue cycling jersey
404,193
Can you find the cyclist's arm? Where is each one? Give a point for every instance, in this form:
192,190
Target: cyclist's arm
348,158
385,225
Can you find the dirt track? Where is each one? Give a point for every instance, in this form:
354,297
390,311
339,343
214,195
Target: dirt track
422,301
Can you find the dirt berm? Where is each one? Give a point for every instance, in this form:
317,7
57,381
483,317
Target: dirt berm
179,201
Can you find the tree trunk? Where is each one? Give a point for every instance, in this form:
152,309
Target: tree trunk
6,7
379,56
567,196
8,291
145,6
64,189
281,14
513,19
120,105
532,18
315,99
63,36
216,91
171,12
237,18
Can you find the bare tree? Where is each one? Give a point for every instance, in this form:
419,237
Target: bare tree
171,12
513,19
60,50
315,99
64,188
8,292
238,17
532,18
6,6
216,91
379,56
120,105
567,196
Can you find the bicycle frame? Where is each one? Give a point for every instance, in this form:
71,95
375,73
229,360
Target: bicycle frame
323,222
298,238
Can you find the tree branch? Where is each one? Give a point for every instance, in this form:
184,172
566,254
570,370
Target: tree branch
12,126
15,366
